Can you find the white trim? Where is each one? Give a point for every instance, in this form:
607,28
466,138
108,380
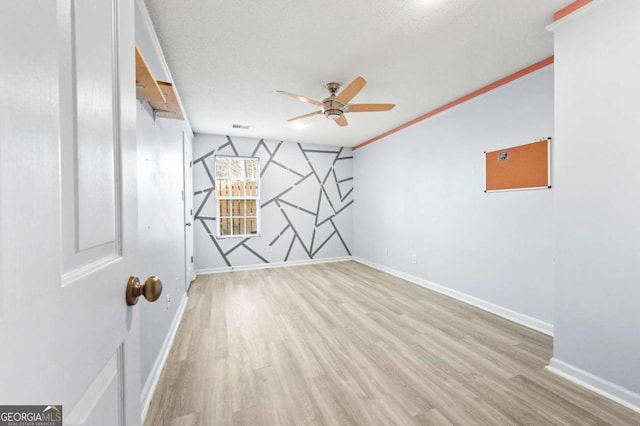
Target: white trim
549,184
552,27
271,265
533,188
152,381
191,280
522,319
595,383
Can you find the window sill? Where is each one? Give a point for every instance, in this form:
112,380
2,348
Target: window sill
225,237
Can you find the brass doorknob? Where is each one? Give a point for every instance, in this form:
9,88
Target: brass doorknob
151,289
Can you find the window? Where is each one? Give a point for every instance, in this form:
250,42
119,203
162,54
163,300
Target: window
238,190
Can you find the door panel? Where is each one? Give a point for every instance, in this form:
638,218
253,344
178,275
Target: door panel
68,228
95,140
91,195
101,398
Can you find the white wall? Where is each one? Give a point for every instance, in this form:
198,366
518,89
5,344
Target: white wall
161,214
306,203
161,227
421,191
597,311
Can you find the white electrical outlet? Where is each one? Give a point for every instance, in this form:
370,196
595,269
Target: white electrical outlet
168,301
414,258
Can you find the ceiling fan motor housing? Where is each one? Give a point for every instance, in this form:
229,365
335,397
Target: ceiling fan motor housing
332,107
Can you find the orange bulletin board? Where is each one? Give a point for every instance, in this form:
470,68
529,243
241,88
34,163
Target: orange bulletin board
519,167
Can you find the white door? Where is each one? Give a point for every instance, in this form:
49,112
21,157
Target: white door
68,210
188,208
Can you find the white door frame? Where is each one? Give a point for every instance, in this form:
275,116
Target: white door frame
187,162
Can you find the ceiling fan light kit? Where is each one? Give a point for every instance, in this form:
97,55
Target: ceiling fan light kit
335,106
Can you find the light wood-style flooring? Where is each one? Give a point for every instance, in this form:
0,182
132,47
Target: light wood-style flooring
342,343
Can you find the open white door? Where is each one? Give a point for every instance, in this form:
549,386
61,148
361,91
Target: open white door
68,209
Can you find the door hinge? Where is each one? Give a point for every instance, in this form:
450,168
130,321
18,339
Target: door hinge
182,195
190,163
191,259
191,212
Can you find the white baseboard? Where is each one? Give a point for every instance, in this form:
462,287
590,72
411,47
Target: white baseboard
595,383
152,381
527,321
191,280
271,265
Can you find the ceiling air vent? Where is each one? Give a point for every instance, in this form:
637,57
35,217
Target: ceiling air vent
240,126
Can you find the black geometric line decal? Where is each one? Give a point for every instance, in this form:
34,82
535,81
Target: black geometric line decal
325,242
344,207
327,176
287,168
204,157
337,156
254,253
335,178
203,191
261,143
277,197
233,147
346,195
206,169
264,168
295,233
279,235
316,213
204,202
322,151
297,207
328,198
313,238
235,247
215,242
337,213
340,236
293,240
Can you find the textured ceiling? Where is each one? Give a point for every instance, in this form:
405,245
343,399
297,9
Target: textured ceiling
228,58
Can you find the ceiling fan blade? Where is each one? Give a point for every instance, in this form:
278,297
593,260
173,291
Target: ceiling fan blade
341,121
305,116
301,98
371,107
352,89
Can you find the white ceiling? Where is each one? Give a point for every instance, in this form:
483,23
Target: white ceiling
228,58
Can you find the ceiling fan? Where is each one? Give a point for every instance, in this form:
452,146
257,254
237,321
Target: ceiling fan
335,106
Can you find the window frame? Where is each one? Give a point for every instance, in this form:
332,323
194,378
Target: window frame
258,182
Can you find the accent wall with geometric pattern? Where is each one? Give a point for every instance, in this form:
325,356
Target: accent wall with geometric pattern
306,203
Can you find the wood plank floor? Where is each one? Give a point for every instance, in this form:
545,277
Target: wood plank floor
341,343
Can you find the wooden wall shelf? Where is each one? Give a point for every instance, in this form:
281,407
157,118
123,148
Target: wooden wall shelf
147,88
171,107
161,95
